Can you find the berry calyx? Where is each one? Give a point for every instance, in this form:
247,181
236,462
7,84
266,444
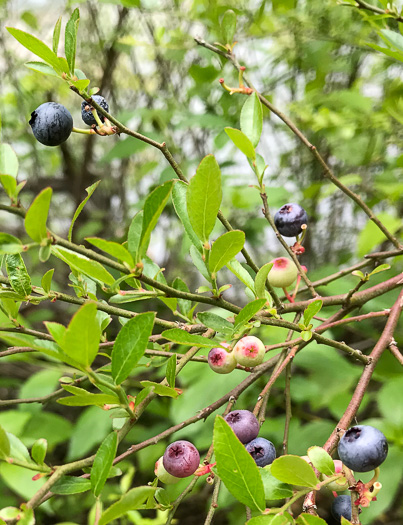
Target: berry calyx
163,475
249,351
86,113
341,506
244,424
181,459
262,451
283,273
220,360
363,448
289,219
51,123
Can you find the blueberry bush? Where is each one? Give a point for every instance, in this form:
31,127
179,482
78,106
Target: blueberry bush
201,282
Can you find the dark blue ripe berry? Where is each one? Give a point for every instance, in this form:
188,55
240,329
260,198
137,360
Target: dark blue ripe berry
341,506
86,114
181,459
51,124
289,219
363,448
244,424
262,451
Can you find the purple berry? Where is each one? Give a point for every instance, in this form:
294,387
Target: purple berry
262,451
221,361
363,448
244,424
289,219
87,115
181,459
51,124
341,506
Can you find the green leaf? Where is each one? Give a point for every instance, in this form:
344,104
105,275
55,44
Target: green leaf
112,248
153,207
160,390
380,268
273,488
308,519
306,335
38,451
81,340
184,338
321,460
359,274
18,276
130,345
84,398
371,235
199,263
171,370
225,248
252,119
241,273
344,521
133,237
56,34
204,197
103,462
311,310
81,84
248,312
90,190
70,485
18,450
236,467
132,500
273,519
47,280
41,67
183,304
9,244
36,46
4,444
37,215
9,184
45,252
27,517
394,38
8,161
79,262
242,142
228,26
215,322
70,40
179,192
260,280
294,470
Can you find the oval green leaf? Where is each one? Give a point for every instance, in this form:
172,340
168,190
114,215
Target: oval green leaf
132,500
37,215
103,462
260,280
294,470
252,119
321,460
242,142
18,276
225,248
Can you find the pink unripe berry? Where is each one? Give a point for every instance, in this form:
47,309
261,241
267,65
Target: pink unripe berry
249,351
221,361
283,273
163,475
181,459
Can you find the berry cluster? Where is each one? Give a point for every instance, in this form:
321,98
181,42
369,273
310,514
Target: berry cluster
248,351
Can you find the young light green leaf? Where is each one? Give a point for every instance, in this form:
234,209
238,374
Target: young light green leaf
47,280
215,322
56,34
133,237
306,335
197,259
9,244
112,248
70,41
183,304
38,451
132,500
260,280
241,273
79,262
57,331
4,444
8,161
394,38
17,273
171,369
248,312
9,184
90,190
272,519
130,296
71,485
41,67
88,399
321,460
184,338
81,340
380,268
103,462
242,142
308,519
36,46
273,488
153,207
37,215
358,273
228,26
130,345
294,470
311,310
160,390
18,450
45,252
179,192
236,467
225,248
204,197
344,521
252,119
